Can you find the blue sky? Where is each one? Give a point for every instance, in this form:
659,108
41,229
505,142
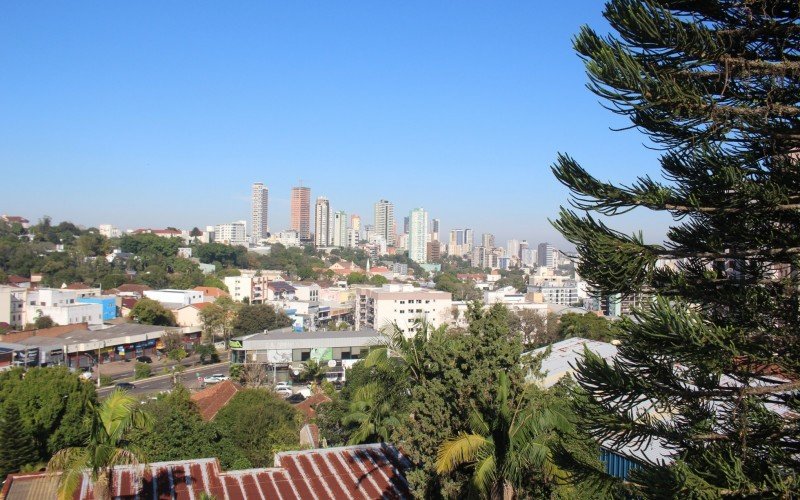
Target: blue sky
148,114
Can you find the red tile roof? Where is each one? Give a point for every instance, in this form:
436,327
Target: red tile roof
369,471
212,399
132,287
77,286
14,279
309,405
212,291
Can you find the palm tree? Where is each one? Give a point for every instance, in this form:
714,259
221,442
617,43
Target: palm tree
399,352
313,371
504,444
374,414
105,447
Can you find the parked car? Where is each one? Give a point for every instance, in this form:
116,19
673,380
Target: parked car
295,398
127,386
282,384
215,378
144,359
284,391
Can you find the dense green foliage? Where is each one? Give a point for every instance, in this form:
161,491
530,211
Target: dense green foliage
106,446
715,85
461,290
51,403
16,443
259,423
254,318
423,391
151,312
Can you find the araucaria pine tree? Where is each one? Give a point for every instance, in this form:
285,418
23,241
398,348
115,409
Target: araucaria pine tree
16,444
710,371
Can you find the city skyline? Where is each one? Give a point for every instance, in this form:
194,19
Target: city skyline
178,125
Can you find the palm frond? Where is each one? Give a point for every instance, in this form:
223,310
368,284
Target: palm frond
463,449
485,474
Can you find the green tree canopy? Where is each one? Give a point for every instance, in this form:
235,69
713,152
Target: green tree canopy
259,423
51,403
715,85
254,318
19,448
151,312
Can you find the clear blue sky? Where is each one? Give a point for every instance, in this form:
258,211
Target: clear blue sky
149,114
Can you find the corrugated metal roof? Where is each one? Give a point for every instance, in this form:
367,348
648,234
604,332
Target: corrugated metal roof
565,354
359,472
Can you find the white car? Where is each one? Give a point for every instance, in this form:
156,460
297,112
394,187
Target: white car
284,390
215,378
282,384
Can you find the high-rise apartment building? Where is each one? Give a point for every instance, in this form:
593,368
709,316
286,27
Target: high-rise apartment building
547,255
406,222
487,241
512,248
260,211
384,221
322,222
339,229
435,230
433,251
461,242
300,216
418,235
354,233
523,246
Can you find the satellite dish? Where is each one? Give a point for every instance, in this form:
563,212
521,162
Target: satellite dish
332,364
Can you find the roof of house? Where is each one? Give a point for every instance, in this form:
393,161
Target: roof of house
77,286
133,287
211,291
309,406
14,279
370,471
212,399
280,286
565,354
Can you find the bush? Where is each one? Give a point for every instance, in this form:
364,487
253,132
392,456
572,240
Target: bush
208,353
105,380
142,370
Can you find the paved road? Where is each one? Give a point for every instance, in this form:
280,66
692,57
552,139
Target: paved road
164,382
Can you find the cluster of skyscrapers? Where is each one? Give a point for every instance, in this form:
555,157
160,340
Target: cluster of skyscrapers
419,235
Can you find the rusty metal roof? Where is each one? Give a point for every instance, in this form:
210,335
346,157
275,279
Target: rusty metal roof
369,471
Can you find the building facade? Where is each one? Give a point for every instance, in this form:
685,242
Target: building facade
401,305
300,216
418,235
384,222
260,212
547,255
234,233
322,222
339,230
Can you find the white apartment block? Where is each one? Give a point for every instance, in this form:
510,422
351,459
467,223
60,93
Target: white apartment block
260,212
322,222
384,221
109,231
288,238
175,298
251,285
339,229
565,294
418,235
12,306
308,293
234,233
401,305
61,305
